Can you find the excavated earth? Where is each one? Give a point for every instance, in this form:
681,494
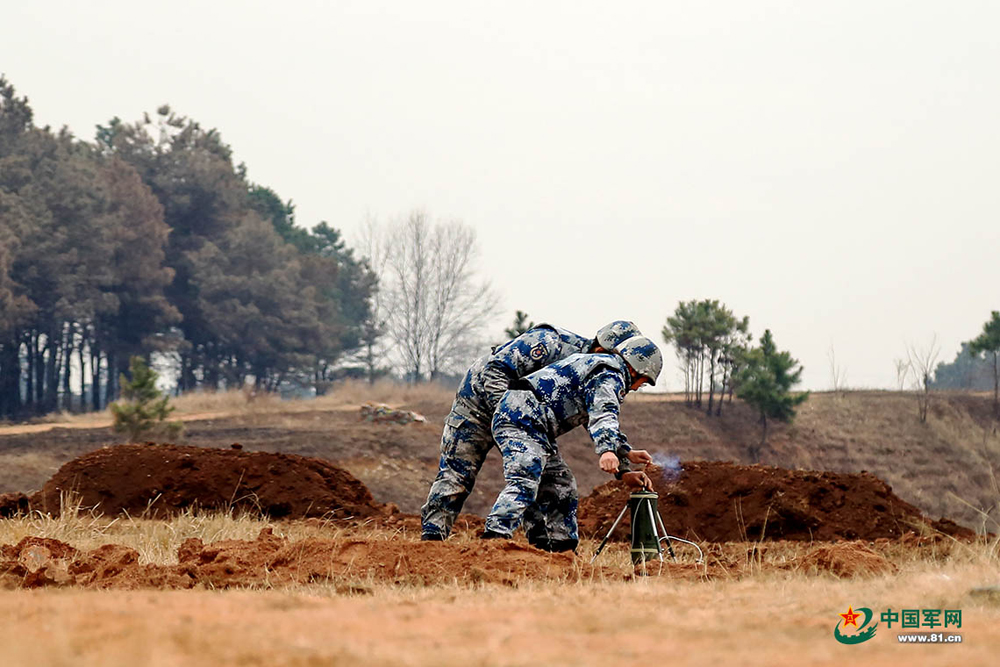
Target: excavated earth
718,504
271,560
725,502
702,500
354,564
163,480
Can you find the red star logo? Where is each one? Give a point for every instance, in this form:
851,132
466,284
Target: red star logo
850,618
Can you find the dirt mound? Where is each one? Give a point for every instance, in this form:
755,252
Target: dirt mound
161,480
275,561
721,501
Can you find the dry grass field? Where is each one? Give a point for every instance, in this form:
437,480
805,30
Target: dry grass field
769,603
760,613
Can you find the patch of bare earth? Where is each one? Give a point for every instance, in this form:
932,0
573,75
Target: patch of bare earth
271,561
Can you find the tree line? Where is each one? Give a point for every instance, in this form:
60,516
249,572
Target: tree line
149,239
977,364
711,343
717,355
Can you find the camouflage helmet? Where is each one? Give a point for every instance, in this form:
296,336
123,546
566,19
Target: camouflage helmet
610,336
643,356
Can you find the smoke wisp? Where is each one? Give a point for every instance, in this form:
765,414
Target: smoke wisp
671,466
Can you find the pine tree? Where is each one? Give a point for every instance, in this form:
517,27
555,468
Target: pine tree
143,407
521,324
709,341
988,343
764,382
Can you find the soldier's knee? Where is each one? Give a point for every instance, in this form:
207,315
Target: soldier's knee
458,471
525,465
521,491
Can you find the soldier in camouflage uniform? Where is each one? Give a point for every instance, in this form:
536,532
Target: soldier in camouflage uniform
467,439
581,389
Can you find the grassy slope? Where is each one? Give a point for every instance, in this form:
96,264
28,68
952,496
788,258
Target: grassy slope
936,466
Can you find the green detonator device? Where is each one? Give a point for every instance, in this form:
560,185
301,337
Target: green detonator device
643,510
648,532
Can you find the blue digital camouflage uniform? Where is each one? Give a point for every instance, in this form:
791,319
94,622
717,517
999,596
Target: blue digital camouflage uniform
466,439
581,389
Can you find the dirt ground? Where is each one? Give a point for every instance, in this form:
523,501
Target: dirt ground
273,560
313,593
396,462
358,559
354,585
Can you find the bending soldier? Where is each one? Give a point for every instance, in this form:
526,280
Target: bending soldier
584,388
466,439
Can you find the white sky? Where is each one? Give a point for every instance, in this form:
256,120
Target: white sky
830,169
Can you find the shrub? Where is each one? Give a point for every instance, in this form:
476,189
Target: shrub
143,408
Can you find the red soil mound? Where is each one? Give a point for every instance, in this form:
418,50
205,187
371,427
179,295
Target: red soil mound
719,501
167,479
274,561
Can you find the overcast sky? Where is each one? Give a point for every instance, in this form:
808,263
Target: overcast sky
830,169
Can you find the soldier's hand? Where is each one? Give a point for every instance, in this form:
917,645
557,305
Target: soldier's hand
609,463
639,456
637,480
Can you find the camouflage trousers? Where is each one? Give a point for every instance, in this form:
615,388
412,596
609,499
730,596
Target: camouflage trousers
541,490
464,446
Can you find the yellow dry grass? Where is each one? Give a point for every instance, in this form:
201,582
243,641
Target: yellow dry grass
759,622
764,616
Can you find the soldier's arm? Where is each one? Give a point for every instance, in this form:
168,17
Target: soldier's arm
529,352
604,392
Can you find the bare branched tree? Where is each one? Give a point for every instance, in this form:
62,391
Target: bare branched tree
372,352
921,362
902,370
434,306
838,375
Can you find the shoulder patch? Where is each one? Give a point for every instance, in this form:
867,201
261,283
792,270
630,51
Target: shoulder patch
537,352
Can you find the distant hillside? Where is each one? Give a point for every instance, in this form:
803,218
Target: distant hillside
942,467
